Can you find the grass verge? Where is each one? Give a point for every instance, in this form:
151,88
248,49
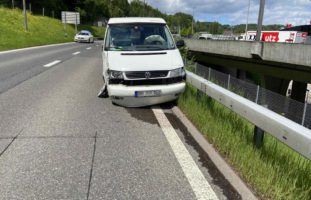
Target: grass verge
41,30
274,172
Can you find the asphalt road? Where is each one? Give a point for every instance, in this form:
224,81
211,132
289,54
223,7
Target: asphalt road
59,141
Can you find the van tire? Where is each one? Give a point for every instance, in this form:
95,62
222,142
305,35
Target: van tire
174,102
103,94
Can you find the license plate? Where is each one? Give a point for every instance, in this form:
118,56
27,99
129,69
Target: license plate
148,93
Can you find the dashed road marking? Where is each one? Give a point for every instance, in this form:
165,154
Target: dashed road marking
89,48
52,63
76,53
199,184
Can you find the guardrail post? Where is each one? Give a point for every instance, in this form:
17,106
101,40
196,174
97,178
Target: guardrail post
229,79
199,94
259,135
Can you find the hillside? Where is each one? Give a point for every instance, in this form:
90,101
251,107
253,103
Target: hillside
41,30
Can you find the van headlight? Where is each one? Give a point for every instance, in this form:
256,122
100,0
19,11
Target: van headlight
180,72
115,74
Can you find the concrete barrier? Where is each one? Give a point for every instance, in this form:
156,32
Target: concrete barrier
294,54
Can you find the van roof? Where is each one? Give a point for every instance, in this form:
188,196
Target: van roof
122,20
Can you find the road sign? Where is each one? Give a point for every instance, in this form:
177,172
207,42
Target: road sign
70,17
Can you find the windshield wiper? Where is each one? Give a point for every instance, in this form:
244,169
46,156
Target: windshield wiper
120,49
149,47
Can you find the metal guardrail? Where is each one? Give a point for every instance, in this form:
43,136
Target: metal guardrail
294,110
285,130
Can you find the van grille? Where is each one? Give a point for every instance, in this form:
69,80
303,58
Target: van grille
165,81
146,74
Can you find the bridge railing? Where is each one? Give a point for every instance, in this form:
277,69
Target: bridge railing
286,119
294,110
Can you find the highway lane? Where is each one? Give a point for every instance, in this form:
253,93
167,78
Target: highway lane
19,66
59,141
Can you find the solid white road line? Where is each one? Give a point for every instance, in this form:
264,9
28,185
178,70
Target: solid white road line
89,48
221,164
76,53
199,184
36,47
52,63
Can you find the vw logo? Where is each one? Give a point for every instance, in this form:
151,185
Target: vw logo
147,75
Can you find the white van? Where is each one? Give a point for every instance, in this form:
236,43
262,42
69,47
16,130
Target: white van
141,64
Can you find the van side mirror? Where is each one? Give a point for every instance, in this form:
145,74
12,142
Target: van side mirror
180,43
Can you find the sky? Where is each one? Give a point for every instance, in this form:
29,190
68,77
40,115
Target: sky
234,12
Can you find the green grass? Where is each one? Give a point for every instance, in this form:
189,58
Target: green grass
274,172
41,30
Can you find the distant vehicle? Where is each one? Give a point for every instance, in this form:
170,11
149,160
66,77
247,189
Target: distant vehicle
276,36
141,63
84,36
176,35
205,36
249,36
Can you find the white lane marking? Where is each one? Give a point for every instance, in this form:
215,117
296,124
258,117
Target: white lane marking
35,47
199,184
89,48
76,53
52,63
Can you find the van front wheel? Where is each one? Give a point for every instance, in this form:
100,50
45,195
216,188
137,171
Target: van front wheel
103,93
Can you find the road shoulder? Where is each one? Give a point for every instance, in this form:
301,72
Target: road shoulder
221,164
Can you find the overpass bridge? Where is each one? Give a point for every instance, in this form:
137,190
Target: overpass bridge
275,63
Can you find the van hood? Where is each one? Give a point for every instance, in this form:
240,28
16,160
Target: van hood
144,60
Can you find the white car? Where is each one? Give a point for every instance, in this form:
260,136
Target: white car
84,36
141,64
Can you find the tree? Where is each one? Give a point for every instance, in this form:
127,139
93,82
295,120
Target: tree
96,9
119,8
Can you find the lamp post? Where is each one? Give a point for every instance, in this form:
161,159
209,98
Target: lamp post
25,16
246,27
260,19
192,25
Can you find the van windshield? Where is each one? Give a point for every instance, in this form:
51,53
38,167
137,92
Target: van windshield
138,37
